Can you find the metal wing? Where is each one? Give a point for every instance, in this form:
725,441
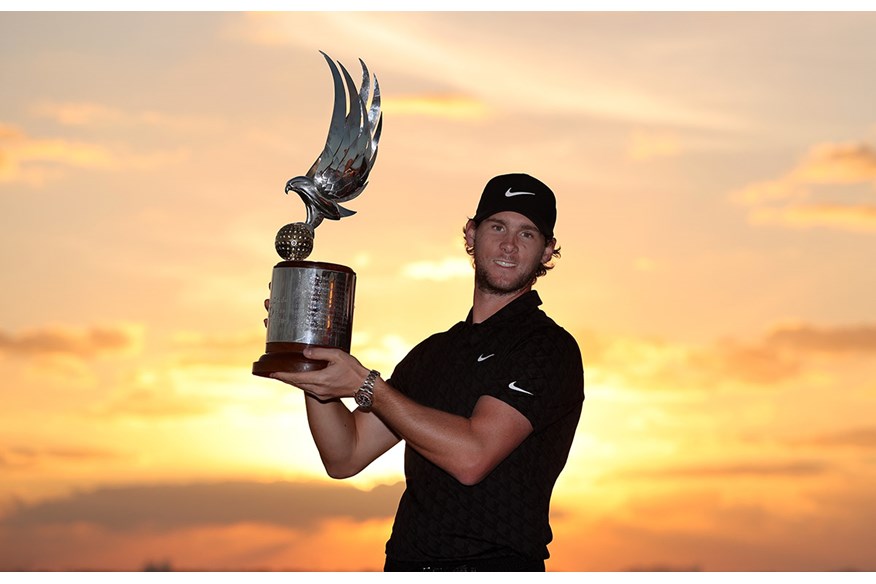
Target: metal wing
341,171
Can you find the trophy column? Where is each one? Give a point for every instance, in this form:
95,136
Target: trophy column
311,305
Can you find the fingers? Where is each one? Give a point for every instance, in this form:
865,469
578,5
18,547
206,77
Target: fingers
324,354
296,379
310,382
304,380
341,377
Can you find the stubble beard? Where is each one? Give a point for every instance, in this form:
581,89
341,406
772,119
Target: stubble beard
485,283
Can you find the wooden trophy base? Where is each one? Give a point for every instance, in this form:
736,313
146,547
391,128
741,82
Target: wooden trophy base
285,357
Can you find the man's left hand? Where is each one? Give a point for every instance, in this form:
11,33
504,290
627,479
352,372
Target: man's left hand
341,377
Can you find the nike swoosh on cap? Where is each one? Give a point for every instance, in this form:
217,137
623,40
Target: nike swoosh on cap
510,193
485,357
513,386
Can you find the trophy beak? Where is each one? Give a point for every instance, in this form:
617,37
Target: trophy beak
297,184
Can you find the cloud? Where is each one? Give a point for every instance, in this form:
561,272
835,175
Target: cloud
333,545
842,217
382,352
149,402
179,388
731,470
829,529
73,357
819,191
82,343
438,270
837,163
201,374
651,145
218,350
664,568
864,437
754,364
169,507
95,114
781,354
78,114
436,106
10,133
649,364
521,77
765,192
19,458
35,161
802,338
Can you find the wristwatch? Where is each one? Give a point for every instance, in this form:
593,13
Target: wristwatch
365,394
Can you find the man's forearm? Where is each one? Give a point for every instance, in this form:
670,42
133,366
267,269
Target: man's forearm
467,448
347,441
334,433
441,437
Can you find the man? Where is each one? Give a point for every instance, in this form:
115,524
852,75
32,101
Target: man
487,409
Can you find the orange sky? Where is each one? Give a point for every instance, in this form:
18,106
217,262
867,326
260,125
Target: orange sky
716,183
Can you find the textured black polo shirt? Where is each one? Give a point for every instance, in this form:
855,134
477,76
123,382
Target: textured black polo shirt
520,356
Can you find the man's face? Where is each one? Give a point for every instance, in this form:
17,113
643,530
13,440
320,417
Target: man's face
508,250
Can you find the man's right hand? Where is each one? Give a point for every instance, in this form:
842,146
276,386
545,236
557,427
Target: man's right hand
267,305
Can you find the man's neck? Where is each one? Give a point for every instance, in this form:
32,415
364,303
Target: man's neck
486,304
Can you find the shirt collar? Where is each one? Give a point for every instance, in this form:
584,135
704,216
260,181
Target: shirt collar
525,303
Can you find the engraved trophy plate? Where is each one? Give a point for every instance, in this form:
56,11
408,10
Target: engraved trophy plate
312,302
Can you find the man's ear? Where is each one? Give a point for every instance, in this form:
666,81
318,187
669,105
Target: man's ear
549,250
470,229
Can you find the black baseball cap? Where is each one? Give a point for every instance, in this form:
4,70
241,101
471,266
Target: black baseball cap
522,194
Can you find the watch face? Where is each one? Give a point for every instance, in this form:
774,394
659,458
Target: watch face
363,399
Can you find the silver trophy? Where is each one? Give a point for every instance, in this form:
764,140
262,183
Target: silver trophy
312,302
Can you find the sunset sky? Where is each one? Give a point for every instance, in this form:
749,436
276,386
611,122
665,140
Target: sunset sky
716,184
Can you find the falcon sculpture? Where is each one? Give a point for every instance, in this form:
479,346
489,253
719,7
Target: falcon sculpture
340,173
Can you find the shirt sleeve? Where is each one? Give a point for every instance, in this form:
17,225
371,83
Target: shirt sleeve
542,377
403,375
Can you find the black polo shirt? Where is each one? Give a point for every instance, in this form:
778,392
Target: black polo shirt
520,356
